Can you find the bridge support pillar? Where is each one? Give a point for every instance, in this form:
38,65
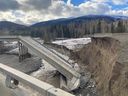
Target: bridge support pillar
23,52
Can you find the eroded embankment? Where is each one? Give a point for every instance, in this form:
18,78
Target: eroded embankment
100,58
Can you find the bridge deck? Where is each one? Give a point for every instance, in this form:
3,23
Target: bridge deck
40,86
61,65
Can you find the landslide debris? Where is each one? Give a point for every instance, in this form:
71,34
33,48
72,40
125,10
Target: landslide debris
100,57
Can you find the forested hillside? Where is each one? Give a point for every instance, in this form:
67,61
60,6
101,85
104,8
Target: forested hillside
70,27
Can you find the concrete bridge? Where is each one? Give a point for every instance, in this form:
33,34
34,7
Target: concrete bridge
73,78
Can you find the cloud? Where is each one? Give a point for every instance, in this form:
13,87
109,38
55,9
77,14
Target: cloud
94,8
69,2
123,12
62,9
32,11
120,2
100,1
39,4
7,16
6,5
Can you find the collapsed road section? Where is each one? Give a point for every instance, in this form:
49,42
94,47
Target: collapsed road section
73,78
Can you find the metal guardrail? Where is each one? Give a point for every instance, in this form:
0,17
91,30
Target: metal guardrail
44,88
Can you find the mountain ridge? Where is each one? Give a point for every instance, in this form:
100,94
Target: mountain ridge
85,17
68,27
116,17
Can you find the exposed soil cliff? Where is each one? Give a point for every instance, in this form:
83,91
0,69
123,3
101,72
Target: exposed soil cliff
100,58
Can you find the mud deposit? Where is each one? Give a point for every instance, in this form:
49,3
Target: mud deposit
102,58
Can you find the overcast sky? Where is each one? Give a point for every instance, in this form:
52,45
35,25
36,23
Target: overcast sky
32,11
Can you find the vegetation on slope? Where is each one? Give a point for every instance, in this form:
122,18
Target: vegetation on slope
100,57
